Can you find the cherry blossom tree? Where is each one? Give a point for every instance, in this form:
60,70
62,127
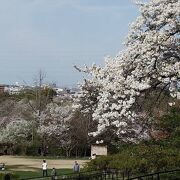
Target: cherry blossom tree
150,60
17,131
55,124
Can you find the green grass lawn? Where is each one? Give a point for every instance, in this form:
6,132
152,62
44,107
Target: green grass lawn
18,169
37,172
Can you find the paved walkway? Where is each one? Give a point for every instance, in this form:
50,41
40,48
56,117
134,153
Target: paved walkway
28,164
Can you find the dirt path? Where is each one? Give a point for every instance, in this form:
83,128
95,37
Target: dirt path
27,164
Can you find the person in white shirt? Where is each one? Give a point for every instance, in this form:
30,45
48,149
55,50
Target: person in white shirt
44,168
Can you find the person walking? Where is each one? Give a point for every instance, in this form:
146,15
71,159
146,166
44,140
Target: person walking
44,168
76,168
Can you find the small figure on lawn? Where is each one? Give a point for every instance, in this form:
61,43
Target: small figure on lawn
76,168
53,174
44,168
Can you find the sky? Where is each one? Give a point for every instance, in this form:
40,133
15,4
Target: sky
54,35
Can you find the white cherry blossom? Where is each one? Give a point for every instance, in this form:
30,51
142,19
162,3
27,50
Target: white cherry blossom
151,59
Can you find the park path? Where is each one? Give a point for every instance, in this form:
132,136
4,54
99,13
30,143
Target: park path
30,164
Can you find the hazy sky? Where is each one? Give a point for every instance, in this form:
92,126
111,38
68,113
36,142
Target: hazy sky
54,35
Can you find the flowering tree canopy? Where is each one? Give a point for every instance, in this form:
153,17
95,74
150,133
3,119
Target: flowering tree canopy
17,131
151,59
54,122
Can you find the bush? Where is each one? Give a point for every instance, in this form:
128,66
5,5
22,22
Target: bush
19,149
170,124
139,159
12,175
32,150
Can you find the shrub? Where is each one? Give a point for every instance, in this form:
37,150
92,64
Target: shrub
12,175
32,150
19,149
139,159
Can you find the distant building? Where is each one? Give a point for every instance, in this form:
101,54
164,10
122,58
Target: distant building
13,89
98,150
59,91
64,92
2,89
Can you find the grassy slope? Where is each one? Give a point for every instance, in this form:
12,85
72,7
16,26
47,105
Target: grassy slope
37,172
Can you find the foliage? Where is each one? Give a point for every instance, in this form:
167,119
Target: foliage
139,159
13,176
150,61
3,97
170,124
113,105
32,150
57,126
54,125
17,131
